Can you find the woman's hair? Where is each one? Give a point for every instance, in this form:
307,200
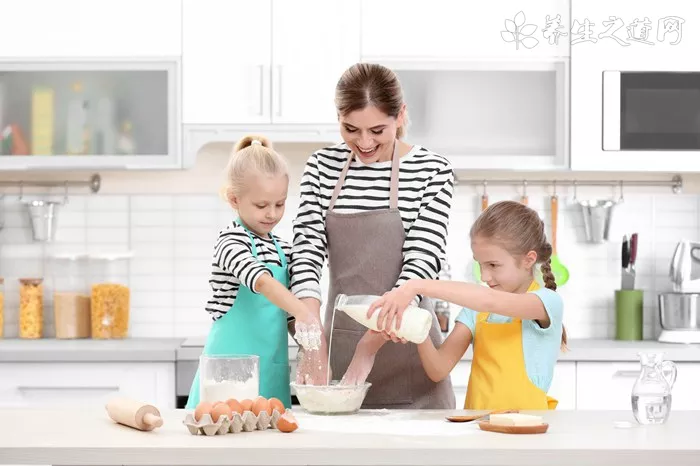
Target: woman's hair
519,230
251,154
368,84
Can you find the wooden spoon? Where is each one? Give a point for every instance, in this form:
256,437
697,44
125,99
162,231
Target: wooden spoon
476,269
561,273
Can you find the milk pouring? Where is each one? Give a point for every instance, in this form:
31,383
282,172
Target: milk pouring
415,323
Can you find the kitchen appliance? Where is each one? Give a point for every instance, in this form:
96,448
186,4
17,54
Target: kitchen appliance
679,317
685,267
651,111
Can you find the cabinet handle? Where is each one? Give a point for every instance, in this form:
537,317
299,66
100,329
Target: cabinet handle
262,93
633,374
25,388
279,90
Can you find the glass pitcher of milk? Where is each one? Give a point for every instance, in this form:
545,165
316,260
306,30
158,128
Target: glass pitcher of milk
415,323
651,393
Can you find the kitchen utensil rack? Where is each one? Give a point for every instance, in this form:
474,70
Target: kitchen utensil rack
675,183
93,183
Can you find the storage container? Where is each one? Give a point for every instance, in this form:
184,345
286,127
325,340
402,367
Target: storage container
31,307
71,297
109,296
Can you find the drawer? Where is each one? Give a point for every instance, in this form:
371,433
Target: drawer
608,385
72,384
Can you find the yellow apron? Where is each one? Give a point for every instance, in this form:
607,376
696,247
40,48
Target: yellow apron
498,377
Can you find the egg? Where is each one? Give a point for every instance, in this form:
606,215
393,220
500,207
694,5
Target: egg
235,406
220,409
247,404
287,422
202,409
261,404
276,405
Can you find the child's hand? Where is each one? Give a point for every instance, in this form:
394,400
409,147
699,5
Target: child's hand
308,333
392,304
359,368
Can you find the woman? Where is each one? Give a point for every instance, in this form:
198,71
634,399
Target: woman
378,208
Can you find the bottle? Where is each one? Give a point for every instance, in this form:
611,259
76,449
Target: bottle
77,132
651,392
415,323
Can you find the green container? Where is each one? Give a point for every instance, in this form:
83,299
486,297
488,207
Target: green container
629,314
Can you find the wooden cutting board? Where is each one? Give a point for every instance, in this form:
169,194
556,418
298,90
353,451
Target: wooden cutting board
488,427
474,417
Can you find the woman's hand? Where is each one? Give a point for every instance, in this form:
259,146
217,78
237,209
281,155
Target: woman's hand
392,304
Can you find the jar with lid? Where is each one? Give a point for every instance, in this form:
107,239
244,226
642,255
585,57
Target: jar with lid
31,308
109,296
71,297
2,307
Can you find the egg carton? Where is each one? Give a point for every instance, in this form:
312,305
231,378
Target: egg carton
246,422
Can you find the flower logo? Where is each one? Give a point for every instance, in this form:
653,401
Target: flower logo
519,32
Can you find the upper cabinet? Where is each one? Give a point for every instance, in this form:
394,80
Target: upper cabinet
447,29
269,61
97,114
44,29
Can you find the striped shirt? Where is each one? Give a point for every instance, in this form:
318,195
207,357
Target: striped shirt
425,197
233,263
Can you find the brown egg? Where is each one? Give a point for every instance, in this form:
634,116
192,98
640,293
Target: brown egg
247,404
235,406
220,409
261,404
202,409
287,422
277,405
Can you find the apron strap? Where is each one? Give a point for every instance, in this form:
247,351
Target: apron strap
252,240
280,252
393,189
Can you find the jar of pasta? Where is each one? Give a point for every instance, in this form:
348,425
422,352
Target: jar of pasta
31,307
71,297
2,307
109,296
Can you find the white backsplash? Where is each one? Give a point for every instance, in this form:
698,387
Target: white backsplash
172,238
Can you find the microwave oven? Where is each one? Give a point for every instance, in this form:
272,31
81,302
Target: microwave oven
651,111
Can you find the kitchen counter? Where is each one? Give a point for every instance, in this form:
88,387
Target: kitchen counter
574,438
53,350
180,349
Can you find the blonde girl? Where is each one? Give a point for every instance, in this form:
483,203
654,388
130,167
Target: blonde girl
515,326
249,278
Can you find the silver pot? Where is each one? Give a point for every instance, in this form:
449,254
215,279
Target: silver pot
679,311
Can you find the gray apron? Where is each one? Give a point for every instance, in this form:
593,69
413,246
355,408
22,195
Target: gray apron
365,257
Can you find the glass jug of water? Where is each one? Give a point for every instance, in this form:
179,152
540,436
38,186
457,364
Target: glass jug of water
651,393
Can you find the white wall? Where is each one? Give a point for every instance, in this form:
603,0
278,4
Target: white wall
170,220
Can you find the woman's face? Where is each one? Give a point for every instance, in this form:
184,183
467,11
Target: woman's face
370,133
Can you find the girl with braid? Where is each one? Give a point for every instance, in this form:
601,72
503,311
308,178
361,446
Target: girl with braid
514,324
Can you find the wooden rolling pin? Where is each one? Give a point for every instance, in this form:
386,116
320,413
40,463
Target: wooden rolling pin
134,414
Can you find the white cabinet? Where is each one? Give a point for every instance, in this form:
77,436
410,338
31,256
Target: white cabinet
313,42
90,114
226,61
91,384
88,28
268,61
440,29
608,385
563,387
460,380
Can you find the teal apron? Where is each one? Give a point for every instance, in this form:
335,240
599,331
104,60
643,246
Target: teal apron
254,325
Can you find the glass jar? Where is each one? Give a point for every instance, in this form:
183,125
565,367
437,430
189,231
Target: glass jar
109,296
31,307
651,392
71,297
2,307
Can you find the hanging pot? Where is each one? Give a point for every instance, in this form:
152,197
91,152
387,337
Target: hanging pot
597,216
43,216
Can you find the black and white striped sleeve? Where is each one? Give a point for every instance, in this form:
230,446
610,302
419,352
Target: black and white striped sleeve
309,246
233,254
425,242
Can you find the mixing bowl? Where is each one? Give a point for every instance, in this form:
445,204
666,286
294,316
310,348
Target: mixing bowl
331,399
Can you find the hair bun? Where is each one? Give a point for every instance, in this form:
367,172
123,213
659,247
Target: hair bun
249,140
